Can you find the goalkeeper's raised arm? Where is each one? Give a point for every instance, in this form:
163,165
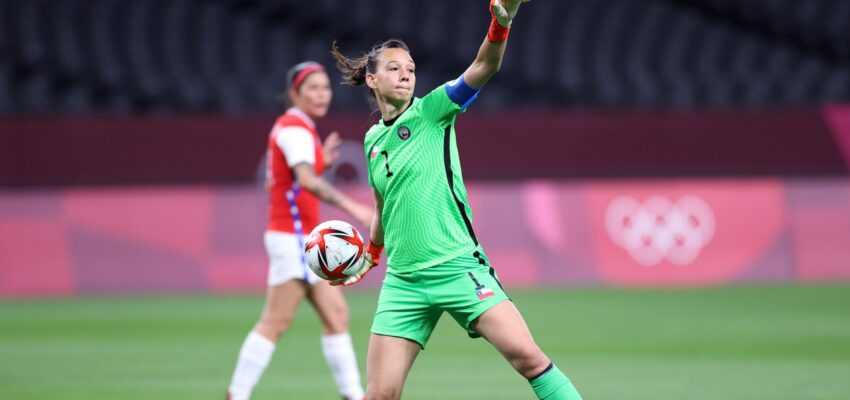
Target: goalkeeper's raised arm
490,54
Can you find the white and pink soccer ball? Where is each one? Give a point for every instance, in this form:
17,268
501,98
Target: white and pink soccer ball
334,250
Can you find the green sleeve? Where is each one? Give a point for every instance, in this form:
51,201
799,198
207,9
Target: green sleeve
439,107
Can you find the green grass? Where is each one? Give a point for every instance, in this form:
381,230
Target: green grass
761,342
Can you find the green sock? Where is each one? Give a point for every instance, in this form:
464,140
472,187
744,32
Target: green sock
554,385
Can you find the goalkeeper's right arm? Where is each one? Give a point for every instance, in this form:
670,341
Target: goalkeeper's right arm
373,249
490,54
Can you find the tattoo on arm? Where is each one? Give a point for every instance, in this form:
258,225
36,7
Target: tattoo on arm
315,184
324,191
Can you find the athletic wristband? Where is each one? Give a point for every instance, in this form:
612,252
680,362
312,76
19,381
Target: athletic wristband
497,32
374,250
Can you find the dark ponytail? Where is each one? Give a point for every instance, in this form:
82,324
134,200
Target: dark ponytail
354,70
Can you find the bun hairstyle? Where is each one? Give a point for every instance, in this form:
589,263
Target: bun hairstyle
354,69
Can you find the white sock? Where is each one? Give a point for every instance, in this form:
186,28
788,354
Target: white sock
254,357
339,354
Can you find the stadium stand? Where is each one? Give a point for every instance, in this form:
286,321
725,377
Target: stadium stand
113,56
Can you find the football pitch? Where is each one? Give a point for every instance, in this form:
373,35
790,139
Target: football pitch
753,342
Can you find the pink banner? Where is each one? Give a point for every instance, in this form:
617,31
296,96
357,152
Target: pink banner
682,233
623,233
819,229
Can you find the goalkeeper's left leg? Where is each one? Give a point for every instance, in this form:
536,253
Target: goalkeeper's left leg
503,326
552,384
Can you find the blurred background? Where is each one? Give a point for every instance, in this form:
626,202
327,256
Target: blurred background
638,159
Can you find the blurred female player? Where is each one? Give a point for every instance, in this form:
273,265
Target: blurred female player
295,161
435,262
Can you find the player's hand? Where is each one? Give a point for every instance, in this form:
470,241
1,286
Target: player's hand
371,259
504,11
365,267
373,253
331,147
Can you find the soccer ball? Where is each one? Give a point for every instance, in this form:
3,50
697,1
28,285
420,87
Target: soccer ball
334,250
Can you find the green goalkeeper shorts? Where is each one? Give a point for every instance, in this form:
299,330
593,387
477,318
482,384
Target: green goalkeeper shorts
411,303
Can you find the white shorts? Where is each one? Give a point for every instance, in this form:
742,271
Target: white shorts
286,259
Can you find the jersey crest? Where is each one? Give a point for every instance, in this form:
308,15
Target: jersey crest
403,132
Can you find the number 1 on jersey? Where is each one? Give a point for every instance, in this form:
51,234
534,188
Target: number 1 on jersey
387,163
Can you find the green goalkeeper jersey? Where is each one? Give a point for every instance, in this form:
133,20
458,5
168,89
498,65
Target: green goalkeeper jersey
414,165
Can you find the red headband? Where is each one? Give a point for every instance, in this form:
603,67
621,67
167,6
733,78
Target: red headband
299,79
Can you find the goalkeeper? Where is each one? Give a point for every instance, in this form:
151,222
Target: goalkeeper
434,260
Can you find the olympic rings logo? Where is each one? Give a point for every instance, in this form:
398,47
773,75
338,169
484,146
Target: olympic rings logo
658,229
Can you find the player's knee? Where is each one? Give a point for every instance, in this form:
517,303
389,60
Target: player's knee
342,313
273,327
529,362
336,327
379,392
337,321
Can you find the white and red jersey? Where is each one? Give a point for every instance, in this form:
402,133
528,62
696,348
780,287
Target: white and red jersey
292,141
